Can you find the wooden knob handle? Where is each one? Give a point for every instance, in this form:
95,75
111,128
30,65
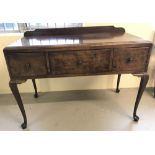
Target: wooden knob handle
79,62
128,60
27,66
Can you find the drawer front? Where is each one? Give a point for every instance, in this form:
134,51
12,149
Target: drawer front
27,64
80,62
71,63
130,59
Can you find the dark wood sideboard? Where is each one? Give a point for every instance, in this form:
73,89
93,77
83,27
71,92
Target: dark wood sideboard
80,51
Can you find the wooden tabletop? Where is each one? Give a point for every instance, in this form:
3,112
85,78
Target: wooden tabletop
69,40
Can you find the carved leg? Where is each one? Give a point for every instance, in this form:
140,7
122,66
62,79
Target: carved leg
14,89
142,86
118,81
35,88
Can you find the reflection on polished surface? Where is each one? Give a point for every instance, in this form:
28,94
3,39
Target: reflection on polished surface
100,38
44,41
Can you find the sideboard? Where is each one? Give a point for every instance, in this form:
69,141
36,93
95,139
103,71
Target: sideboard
76,51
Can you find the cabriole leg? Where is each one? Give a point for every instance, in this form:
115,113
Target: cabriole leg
15,91
35,88
118,81
142,86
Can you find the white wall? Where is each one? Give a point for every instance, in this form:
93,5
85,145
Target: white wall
88,82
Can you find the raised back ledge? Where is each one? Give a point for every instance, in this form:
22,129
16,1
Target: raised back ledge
74,31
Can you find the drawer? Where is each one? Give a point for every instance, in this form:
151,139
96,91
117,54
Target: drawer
80,62
27,64
130,59
71,63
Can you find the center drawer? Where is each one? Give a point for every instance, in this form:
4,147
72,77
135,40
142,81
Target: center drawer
80,62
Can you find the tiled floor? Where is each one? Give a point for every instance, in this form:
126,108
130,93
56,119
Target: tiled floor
97,110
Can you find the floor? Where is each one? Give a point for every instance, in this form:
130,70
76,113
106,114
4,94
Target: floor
88,110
